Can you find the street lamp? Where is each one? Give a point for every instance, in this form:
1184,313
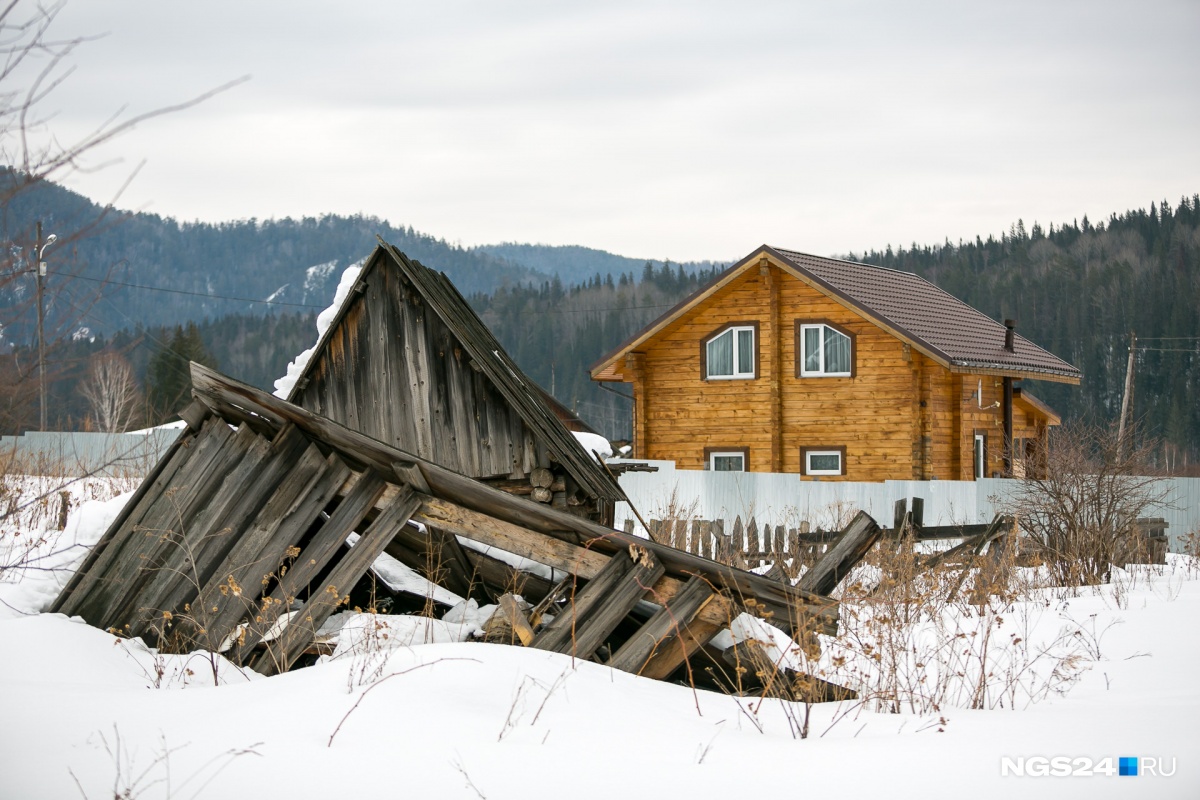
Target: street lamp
40,251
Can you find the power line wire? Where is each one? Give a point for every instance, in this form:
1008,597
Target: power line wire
196,294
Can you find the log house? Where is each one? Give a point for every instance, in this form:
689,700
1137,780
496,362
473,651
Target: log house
835,370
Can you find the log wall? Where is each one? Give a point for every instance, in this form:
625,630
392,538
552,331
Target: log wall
901,415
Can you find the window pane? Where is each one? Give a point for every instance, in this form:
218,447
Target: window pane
824,462
720,354
837,351
745,352
812,349
730,463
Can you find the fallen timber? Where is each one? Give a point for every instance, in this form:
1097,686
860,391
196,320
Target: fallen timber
237,542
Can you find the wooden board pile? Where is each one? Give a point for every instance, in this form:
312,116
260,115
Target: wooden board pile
237,542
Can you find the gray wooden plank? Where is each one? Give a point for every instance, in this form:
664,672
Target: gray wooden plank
180,570
319,551
255,561
663,627
221,525
282,652
826,574
170,534
620,600
145,495
120,562
558,634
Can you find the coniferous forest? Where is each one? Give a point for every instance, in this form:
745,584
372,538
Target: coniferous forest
1080,289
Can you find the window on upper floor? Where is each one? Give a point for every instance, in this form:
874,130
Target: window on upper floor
824,351
730,354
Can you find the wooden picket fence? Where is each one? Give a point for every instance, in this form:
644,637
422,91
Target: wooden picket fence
745,545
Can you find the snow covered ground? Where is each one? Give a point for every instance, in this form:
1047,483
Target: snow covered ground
86,714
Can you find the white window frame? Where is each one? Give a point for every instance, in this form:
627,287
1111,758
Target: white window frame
822,373
712,460
979,455
808,470
738,372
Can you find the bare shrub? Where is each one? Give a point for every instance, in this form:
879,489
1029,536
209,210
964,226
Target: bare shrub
957,635
1085,508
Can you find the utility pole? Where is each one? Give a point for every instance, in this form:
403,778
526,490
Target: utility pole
1127,401
40,267
41,275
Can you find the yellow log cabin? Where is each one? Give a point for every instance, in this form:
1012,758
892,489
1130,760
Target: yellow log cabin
835,370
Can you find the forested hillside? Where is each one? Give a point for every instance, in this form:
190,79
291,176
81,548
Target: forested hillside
1080,290
575,265
555,333
192,271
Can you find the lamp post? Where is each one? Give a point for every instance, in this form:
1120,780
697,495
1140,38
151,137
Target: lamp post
40,251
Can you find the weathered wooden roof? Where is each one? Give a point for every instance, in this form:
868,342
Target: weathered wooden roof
933,321
240,401
246,518
488,357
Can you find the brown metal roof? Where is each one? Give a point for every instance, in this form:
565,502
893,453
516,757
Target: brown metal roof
964,336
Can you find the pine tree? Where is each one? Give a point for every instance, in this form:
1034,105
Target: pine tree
168,379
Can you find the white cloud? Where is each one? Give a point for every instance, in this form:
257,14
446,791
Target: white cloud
653,129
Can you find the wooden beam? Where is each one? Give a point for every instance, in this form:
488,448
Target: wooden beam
664,627
216,529
586,563
827,573
435,551
146,494
679,650
254,563
775,343
592,614
152,536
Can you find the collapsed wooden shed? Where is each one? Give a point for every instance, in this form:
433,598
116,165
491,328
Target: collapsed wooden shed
408,362
242,527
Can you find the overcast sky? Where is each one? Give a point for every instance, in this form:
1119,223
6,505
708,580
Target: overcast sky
655,130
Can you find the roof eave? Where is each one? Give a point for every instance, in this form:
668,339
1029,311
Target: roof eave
1015,371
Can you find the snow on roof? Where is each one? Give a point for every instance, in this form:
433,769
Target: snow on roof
283,386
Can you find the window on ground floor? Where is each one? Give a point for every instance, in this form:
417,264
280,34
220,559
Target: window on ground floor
727,460
823,460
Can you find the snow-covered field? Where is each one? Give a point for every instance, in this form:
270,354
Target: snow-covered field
86,714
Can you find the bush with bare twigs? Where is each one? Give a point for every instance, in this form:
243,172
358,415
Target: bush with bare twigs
1084,510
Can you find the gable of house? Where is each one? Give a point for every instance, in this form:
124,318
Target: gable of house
407,362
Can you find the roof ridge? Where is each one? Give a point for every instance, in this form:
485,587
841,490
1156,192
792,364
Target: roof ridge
848,261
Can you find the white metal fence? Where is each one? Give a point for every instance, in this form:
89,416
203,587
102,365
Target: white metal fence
86,453
784,499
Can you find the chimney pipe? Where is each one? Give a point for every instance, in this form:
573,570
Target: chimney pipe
1009,325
